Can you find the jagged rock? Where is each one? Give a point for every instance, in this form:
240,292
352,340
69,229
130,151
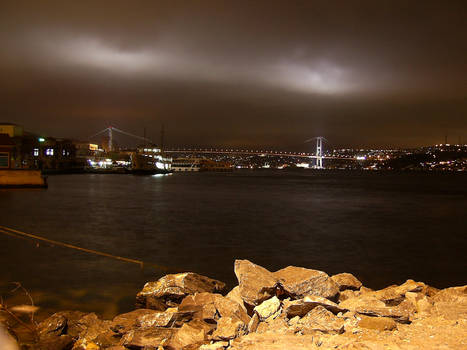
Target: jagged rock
422,304
346,281
169,318
124,322
302,306
229,308
210,307
299,282
234,295
64,322
268,308
451,303
73,327
277,325
378,323
92,326
201,305
322,320
150,338
394,295
54,325
229,328
169,290
62,329
255,283
369,305
188,334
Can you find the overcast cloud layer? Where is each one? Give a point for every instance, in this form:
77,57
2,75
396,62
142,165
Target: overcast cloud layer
240,73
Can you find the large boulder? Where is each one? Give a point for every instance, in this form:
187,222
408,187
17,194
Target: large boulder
255,283
346,281
298,282
170,290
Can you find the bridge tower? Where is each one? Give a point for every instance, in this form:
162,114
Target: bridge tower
110,138
319,152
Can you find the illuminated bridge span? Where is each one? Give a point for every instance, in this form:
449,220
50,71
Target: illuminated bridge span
251,152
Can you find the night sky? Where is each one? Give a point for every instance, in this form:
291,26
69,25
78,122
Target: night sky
238,73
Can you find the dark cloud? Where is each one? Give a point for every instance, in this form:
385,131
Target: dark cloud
238,73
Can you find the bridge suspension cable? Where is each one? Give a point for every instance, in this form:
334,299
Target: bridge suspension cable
110,130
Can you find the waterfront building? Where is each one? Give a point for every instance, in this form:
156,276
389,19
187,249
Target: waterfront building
6,149
12,130
31,151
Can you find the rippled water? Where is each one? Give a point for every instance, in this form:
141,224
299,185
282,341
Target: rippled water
384,228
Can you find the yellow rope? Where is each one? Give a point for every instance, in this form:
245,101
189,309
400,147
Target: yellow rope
9,231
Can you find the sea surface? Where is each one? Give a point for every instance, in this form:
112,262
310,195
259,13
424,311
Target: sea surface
383,227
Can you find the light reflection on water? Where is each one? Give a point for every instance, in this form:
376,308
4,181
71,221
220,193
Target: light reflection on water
384,228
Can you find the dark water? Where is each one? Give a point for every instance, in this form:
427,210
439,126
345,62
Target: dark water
384,228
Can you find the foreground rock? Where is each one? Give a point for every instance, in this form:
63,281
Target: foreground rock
171,289
346,281
255,283
293,308
299,282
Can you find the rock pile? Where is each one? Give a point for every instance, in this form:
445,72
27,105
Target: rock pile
293,308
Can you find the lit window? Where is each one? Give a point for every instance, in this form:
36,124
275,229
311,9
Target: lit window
36,152
49,151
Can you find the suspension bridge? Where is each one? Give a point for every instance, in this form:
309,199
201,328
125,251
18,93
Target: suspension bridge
319,154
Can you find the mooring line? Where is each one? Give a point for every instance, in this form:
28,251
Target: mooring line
21,234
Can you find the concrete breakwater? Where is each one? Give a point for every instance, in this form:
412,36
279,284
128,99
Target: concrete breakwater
21,178
293,308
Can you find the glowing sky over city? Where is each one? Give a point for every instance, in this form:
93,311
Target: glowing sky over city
372,73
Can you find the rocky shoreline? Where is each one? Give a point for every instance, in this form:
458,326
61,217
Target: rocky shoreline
293,308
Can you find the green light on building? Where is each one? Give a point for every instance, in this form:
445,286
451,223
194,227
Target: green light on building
41,139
